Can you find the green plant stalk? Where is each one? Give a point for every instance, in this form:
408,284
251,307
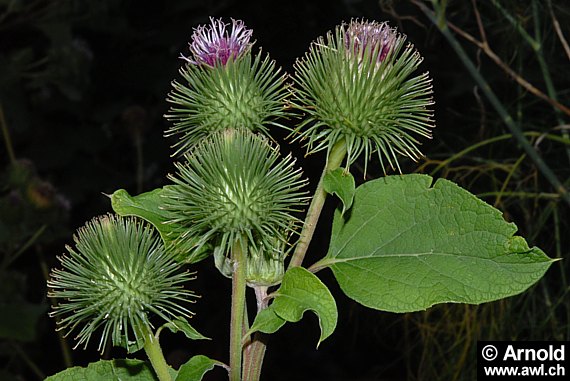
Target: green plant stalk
535,195
508,179
12,257
534,134
556,218
255,352
536,46
154,352
239,258
507,119
253,360
7,139
550,90
334,160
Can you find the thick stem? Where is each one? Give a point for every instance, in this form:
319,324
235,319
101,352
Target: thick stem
239,258
154,353
255,352
334,160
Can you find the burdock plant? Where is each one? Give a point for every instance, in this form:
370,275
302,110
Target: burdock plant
234,188
399,243
359,89
225,86
116,278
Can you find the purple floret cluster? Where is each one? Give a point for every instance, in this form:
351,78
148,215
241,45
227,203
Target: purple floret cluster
379,38
215,44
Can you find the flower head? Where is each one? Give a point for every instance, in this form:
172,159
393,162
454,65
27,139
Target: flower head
357,86
378,38
234,186
214,44
225,86
117,275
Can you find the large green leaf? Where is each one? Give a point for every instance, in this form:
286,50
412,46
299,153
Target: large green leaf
407,246
300,291
148,206
114,370
196,367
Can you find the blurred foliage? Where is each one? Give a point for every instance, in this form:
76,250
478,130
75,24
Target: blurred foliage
75,117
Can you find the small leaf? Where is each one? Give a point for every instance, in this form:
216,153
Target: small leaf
180,324
408,246
132,346
196,367
266,321
104,370
340,183
148,206
300,291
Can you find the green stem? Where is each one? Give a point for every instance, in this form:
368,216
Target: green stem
334,160
7,140
536,45
8,259
239,258
550,89
255,352
507,119
155,355
532,134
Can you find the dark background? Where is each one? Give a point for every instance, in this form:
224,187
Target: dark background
83,88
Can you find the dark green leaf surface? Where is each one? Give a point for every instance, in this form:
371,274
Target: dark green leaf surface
145,206
196,367
183,326
300,291
407,246
266,321
114,370
132,346
148,206
340,183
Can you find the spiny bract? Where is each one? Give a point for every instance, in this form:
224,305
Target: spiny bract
234,186
357,85
115,277
225,86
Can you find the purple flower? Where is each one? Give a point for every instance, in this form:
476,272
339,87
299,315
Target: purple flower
214,44
378,38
